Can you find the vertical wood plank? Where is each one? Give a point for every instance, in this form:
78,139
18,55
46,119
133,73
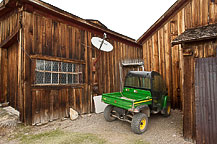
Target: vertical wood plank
155,53
28,38
195,12
55,38
211,11
168,59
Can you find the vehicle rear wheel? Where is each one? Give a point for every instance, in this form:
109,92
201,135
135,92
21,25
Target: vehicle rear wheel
108,113
167,111
139,123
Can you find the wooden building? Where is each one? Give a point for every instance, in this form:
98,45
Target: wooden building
46,60
181,63
200,82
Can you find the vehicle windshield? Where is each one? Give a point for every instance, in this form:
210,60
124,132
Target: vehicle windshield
138,82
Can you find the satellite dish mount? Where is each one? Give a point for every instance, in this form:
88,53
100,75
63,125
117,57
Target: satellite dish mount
101,44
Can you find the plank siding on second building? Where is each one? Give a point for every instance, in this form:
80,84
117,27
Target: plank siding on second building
159,55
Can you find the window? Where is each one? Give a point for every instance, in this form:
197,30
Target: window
132,82
145,83
53,72
138,82
158,84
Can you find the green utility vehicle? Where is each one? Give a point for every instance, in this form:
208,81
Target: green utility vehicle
144,92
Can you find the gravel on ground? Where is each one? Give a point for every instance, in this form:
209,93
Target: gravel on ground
160,130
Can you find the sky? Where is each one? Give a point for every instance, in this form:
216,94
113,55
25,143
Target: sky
128,17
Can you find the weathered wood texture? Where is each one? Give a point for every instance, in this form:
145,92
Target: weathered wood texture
59,40
191,52
8,27
52,34
53,103
159,55
12,68
3,76
197,34
9,24
206,100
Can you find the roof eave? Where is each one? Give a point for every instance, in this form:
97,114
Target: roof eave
78,19
170,12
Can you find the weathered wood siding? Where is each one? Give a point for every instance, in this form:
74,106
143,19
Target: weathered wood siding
160,56
12,68
8,26
48,37
3,76
191,52
54,103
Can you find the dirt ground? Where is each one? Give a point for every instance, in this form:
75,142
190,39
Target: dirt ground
92,128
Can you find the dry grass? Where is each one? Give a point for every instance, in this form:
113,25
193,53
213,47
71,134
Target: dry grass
61,137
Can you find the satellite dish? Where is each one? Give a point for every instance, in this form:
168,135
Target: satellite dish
102,44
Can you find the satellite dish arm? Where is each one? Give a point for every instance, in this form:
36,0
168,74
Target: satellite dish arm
104,37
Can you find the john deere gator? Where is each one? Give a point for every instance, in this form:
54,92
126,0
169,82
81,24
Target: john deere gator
144,93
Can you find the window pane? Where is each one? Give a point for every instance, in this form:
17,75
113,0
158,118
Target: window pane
73,67
80,68
63,78
39,76
76,68
156,83
145,83
55,66
69,67
80,78
64,67
48,65
49,72
47,78
40,65
75,78
132,81
55,78
69,79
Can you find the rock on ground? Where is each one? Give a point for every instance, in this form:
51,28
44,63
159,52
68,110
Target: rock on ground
160,130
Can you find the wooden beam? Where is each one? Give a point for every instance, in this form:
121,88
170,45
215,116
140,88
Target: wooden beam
59,59
10,40
163,19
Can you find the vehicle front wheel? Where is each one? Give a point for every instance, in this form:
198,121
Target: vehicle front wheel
139,123
108,113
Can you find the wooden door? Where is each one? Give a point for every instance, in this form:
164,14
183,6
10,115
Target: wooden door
3,76
206,100
12,74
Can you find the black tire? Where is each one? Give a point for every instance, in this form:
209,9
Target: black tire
167,111
108,113
137,125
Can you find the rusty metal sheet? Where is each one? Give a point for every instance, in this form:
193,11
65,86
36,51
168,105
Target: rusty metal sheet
206,100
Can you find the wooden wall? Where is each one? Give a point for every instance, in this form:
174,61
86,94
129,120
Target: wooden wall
51,38
192,52
159,55
12,76
3,76
8,26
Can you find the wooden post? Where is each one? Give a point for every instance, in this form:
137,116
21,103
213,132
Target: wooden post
20,95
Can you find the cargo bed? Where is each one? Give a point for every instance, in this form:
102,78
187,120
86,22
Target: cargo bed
128,99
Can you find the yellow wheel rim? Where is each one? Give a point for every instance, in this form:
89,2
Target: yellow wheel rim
168,110
142,124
